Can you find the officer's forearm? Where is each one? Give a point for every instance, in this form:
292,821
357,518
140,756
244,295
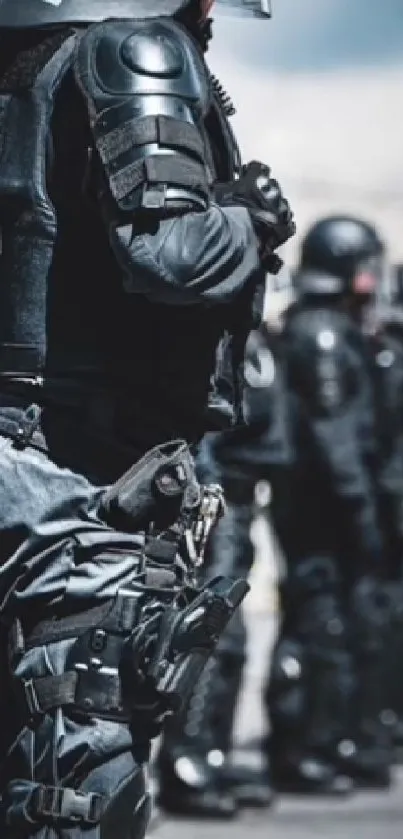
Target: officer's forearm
206,257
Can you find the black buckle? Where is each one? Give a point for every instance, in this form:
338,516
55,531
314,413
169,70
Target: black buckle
58,804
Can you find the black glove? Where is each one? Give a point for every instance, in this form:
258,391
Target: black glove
270,212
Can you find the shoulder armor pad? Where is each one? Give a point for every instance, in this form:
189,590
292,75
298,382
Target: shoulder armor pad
147,90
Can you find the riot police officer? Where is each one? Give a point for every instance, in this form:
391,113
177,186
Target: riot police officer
121,273
196,774
324,694
386,343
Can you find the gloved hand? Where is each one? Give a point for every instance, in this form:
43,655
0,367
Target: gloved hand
270,212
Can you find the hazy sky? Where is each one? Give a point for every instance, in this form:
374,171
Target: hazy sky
316,35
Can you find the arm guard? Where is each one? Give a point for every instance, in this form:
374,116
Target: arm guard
147,91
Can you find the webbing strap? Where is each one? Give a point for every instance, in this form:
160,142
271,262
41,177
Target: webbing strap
51,631
47,693
63,804
166,131
27,801
162,169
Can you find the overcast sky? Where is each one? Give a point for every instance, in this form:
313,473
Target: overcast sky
318,91
310,35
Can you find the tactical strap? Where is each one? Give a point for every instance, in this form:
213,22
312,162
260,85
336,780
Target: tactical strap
159,170
166,131
38,696
44,804
61,629
63,804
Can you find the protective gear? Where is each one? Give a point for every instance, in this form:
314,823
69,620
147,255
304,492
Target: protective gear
334,514
97,337
340,254
310,687
387,354
152,147
130,657
39,13
370,758
24,337
269,210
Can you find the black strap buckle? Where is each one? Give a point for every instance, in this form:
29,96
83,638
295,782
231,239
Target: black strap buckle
58,804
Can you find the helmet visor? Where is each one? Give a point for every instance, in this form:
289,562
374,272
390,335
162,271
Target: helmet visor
245,8
369,277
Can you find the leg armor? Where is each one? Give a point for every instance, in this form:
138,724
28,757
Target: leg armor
310,687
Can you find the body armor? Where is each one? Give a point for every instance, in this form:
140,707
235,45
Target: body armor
46,288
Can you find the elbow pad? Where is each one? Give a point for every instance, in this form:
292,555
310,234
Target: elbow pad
147,91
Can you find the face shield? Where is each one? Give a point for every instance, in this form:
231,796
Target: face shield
370,290
244,8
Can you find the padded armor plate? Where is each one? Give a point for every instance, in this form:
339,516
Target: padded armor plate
147,92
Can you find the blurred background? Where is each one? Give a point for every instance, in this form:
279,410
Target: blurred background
318,93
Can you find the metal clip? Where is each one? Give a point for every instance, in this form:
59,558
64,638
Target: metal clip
212,508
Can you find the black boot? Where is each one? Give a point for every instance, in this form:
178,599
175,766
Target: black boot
190,766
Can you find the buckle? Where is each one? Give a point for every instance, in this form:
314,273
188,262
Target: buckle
58,804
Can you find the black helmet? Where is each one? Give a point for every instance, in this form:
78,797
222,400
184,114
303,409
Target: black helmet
341,253
24,14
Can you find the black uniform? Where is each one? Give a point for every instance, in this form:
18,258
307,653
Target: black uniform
324,696
120,275
237,459
387,352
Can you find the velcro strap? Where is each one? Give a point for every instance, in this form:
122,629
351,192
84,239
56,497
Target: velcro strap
166,131
160,169
60,629
37,696
63,804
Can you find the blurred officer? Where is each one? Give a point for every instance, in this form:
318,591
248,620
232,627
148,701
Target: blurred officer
195,774
324,695
387,348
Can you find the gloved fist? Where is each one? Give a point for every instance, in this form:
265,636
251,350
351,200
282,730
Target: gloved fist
270,212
